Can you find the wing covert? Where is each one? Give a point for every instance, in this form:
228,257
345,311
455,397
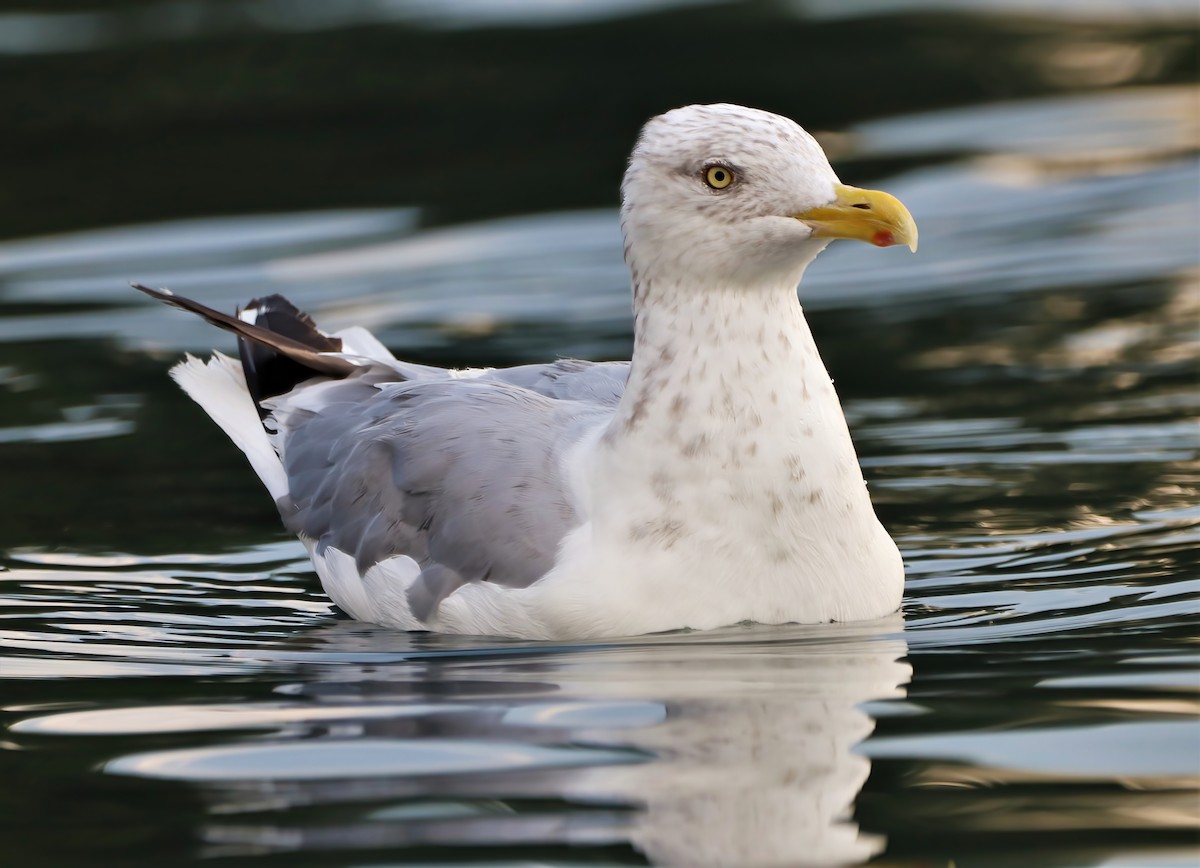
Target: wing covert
462,475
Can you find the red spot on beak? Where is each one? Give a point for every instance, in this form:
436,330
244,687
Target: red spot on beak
883,238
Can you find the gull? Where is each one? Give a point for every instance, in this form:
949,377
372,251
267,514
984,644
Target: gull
709,481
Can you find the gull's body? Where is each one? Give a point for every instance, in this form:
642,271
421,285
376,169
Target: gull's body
711,480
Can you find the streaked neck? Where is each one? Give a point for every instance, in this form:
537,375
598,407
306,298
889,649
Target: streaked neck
713,358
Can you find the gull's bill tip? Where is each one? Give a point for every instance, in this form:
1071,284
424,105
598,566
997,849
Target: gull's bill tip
863,215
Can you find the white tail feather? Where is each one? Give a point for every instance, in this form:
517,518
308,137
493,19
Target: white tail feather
219,387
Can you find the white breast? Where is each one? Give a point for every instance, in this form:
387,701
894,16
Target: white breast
725,489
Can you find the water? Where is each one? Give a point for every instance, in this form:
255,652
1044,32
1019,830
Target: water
1023,393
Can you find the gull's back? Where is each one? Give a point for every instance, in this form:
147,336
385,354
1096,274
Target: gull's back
406,482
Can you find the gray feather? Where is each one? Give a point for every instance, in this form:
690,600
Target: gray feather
462,475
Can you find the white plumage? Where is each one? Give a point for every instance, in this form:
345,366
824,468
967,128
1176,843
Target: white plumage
711,481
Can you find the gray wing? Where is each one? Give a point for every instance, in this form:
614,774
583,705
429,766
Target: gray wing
462,475
601,383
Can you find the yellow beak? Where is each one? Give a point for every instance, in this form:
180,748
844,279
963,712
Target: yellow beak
865,215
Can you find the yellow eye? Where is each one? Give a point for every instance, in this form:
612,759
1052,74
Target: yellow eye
718,177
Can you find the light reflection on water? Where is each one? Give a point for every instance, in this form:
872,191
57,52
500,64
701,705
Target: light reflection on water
738,742
990,227
27,32
1026,414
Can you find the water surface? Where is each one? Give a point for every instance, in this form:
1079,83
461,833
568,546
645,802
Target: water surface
1023,394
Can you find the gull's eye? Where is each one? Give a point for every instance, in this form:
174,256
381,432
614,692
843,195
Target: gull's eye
718,177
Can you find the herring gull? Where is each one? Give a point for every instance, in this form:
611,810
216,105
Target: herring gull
709,481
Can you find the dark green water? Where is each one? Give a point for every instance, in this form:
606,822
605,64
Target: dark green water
175,688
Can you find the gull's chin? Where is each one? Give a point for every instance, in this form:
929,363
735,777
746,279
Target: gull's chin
807,251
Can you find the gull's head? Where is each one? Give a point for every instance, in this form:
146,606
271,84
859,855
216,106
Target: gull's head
741,197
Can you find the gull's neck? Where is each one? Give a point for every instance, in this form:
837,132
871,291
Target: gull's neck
710,361
727,393
727,468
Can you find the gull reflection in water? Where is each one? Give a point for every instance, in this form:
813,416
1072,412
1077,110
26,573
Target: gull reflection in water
754,763
732,747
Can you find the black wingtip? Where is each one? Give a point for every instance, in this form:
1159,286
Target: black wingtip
161,294
269,372
282,348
